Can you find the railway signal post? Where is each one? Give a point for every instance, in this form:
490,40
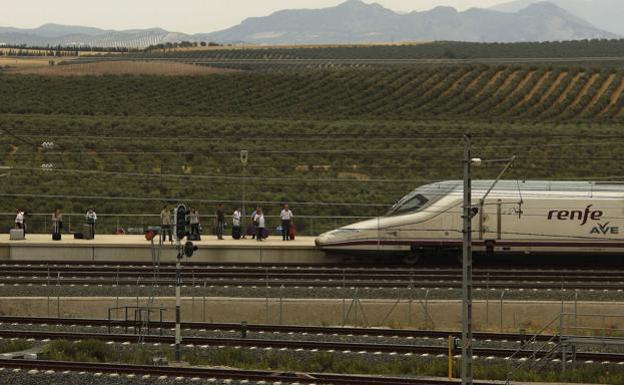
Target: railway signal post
186,250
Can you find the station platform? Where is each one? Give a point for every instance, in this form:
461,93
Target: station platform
135,248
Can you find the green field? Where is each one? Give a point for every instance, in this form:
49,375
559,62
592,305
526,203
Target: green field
333,143
431,50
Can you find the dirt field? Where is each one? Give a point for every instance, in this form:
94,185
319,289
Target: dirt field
13,62
117,68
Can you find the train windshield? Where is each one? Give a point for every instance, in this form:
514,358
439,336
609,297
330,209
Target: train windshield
421,197
410,203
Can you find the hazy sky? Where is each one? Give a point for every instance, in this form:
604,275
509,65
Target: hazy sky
190,16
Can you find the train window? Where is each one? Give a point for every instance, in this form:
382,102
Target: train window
408,204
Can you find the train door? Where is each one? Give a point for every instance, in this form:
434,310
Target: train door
490,225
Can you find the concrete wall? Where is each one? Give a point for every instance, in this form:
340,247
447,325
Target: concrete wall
115,253
442,315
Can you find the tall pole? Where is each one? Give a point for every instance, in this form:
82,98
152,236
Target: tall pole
244,156
179,232
178,330
467,267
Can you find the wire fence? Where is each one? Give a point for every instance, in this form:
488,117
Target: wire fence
138,223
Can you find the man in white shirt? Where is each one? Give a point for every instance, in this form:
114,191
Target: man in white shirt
260,227
91,218
286,216
236,224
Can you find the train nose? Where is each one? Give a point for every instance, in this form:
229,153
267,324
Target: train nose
323,239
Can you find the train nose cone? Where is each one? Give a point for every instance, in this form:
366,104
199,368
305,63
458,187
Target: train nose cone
324,239
321,240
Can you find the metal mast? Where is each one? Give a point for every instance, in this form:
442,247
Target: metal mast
467,267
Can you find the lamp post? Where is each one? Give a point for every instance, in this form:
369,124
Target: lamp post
467,265
244,157
468,213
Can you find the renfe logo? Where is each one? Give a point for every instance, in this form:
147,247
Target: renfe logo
579,215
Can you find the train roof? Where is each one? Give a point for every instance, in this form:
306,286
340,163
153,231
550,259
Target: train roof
528,185
455,186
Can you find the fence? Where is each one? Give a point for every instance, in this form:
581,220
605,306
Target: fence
137,223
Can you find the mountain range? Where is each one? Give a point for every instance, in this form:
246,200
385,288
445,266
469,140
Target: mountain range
353,21
604,14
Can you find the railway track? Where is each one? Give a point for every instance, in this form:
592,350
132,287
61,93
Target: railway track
275,329
309,345
304,276
222,374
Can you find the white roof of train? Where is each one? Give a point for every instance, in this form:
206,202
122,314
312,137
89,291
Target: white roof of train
530,185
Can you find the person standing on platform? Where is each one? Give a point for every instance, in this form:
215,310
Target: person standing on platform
57,221
286,216
194,221
254,223
260,226
220,221
91,218
166,222
19,221
236,224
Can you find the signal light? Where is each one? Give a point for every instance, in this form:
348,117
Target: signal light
180,222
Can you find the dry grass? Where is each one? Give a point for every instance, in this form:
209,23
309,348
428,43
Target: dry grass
119,68
25,62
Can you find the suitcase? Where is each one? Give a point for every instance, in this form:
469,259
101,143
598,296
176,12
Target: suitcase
16,235
78,236
291,232
194,237
56,236
87,232
236,232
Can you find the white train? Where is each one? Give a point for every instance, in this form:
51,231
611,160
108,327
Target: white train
515,217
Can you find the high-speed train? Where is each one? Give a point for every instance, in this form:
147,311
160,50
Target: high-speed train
527,217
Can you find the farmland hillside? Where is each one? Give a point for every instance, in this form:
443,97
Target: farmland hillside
333,143
499,93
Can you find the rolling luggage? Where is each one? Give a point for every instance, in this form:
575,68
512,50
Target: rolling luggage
291,232
78,236
56,236
236,232
16,235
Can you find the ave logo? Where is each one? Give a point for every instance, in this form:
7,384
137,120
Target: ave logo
604,229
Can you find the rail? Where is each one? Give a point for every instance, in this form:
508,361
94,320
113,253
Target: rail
225,374
312,344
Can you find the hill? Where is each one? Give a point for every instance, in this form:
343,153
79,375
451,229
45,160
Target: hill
351,22
504,92
64,35
604,14
357,22
335,144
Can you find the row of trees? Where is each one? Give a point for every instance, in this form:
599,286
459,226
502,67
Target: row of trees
182,44
434,50
359,163
474,92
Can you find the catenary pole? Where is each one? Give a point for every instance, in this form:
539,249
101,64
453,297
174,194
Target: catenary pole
467,267
178,330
